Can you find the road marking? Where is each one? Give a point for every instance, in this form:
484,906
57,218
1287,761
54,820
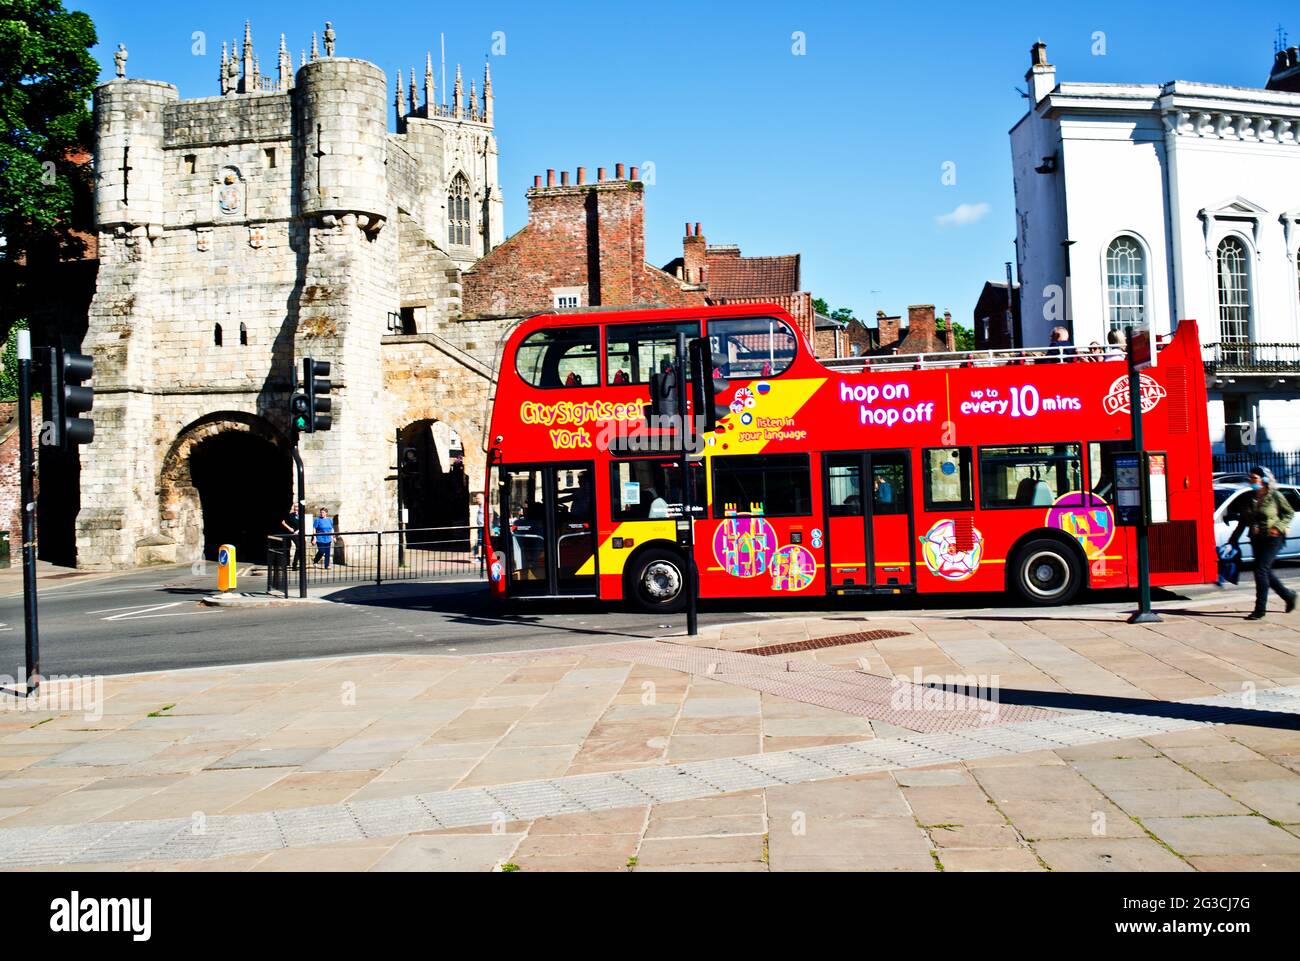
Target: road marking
138,612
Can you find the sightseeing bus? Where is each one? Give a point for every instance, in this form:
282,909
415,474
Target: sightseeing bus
989,471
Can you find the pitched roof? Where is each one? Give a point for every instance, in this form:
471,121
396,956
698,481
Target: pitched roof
731,275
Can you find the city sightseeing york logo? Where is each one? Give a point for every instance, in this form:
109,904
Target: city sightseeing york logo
1116,400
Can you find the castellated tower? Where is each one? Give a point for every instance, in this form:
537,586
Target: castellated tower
242,232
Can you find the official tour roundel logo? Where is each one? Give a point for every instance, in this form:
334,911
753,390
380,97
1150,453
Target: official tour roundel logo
1116,399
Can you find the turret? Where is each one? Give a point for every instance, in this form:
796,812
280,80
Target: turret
343,138
129,188
487,93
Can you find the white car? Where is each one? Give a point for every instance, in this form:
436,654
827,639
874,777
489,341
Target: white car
1230,500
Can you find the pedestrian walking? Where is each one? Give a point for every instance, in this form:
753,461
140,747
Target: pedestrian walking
324,528
1267,520
292,524
476,520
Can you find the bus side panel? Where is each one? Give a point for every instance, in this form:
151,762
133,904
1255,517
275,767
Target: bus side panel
755,556
948,561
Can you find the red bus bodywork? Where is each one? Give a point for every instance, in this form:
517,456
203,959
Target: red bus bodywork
899,414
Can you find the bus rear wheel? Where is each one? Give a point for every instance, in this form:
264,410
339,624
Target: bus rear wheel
1047,572
657,582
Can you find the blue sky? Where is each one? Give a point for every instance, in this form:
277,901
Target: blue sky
837,153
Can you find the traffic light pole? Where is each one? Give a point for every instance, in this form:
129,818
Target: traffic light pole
26,469
1144,613
302,521
688,509
401,537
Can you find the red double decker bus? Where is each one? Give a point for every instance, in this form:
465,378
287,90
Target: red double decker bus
970,471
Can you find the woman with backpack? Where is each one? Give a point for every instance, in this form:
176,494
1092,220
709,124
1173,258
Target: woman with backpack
1266,520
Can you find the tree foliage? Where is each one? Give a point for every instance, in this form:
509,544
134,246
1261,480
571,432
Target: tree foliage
47,77
9,363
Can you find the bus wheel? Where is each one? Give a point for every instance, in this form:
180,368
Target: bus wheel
1047,572
658,581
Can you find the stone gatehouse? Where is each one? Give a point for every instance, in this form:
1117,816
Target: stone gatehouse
242,232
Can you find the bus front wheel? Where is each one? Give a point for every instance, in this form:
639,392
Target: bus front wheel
657,582
1047,572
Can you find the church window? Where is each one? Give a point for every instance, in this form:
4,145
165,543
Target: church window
458,213
1125,283
216,336
1234,292
243,335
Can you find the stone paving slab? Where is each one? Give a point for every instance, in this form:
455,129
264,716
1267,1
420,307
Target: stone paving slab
238,834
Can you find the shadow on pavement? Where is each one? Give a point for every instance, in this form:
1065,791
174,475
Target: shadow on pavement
472,599
1065,701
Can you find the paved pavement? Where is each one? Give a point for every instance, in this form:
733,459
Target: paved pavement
1065,741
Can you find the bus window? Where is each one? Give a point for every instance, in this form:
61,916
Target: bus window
1101,466
844,472
755,347
1028,475
776,485
634,351
560,357
889,483
947,478
651,489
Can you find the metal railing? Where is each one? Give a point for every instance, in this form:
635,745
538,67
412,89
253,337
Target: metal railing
1285,464
1242,357
973,358
378,557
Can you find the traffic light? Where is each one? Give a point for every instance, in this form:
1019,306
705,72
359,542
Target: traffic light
310,407
708,386
408,461
67,399
298,408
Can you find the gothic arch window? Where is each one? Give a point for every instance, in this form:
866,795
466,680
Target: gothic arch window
459,219
1126,282
216,336
1234,291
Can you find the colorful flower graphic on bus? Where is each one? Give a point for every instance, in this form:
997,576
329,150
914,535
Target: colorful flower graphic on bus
743,546
1085,517
939,547
793,568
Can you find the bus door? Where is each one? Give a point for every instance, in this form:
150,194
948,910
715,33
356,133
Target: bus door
550,547
869,543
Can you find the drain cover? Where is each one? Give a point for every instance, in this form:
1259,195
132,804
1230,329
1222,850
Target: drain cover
839,640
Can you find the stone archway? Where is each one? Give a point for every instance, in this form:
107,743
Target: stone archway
227,478
435,485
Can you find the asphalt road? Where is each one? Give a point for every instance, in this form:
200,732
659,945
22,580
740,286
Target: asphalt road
152,620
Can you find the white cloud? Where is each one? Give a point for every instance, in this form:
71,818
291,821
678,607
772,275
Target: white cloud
963,215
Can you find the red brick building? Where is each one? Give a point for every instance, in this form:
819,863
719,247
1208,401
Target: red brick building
584,247
920,336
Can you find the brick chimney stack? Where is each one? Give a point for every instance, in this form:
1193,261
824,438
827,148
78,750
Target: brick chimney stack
949,335
888,327
694,255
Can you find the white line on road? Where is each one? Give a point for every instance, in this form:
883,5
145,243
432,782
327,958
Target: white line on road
138,612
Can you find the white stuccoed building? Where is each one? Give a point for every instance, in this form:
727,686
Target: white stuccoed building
1168,201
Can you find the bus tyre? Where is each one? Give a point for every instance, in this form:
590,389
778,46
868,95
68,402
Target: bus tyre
1047,572
657,582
